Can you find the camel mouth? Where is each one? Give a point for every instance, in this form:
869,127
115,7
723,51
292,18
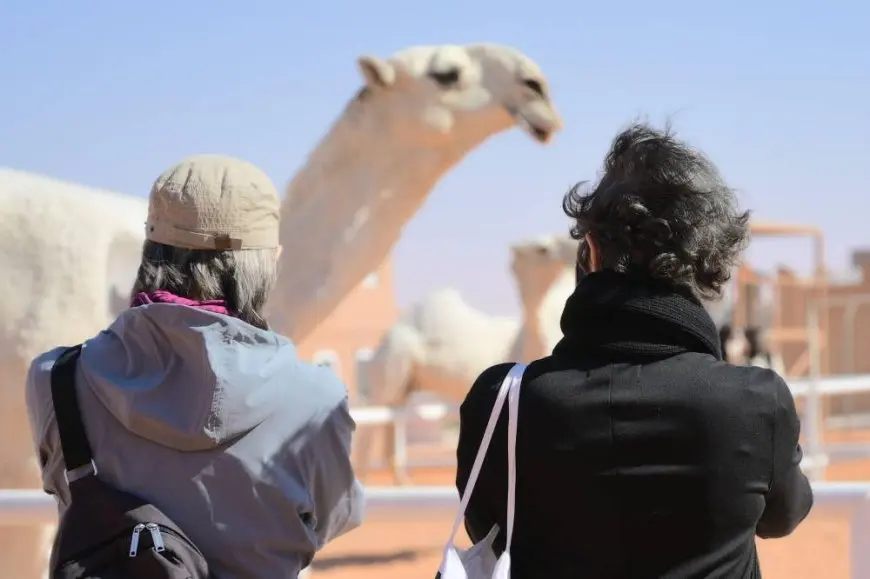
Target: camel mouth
541,135
537,132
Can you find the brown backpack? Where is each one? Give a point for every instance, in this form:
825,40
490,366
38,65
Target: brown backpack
107,533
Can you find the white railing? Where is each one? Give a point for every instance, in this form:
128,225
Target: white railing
398,418
374,415
831,385
34,507
29,507
381,415
818,455
800,387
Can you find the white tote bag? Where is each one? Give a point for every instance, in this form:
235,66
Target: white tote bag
479,561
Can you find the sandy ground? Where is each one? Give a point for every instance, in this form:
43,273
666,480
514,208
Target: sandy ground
411,547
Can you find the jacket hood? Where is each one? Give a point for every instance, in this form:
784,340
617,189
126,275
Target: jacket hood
186,378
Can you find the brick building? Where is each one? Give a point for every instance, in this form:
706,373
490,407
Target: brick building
348,338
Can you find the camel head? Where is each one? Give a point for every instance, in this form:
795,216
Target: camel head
451,94
421,111
538,263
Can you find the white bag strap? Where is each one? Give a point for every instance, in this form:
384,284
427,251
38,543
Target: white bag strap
513,424
510,385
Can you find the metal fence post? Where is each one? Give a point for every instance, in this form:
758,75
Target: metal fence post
812,404
400,445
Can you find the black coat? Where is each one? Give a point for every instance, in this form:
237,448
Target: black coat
640,453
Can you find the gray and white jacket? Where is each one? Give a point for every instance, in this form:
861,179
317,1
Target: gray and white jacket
221,426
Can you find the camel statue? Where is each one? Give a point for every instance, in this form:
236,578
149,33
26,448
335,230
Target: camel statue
421,111
442,344
543,288
70,252
69,256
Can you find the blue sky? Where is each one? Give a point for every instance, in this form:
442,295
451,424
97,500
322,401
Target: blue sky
109,94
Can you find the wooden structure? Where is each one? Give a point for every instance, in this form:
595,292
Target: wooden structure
786,331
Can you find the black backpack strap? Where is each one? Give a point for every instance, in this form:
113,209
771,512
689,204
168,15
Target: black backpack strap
77,454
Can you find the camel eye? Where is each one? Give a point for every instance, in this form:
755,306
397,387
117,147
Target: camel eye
534,85
445,78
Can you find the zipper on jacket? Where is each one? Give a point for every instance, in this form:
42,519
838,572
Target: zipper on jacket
156,537
134,539
156,532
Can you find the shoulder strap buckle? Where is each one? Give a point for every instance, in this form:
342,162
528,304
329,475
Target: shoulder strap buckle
78,473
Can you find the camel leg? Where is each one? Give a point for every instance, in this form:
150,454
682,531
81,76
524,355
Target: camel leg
390,377
377,444
368,448
380,444
23,549
398,453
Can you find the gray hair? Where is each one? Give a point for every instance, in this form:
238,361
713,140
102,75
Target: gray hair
661,207
243,278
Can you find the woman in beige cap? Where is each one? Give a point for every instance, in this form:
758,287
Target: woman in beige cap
190,402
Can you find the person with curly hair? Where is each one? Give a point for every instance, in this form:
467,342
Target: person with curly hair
640,452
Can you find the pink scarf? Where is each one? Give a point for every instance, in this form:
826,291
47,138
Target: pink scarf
165,297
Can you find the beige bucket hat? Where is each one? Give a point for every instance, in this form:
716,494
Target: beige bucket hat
213,202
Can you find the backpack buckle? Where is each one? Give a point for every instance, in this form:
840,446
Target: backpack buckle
80,472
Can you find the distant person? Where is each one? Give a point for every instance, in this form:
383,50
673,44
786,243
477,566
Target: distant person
734,344
640,453
725,332
192,403
759,351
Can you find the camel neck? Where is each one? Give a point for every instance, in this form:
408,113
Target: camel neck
541,317
343,213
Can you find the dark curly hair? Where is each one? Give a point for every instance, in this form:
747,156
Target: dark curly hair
661,206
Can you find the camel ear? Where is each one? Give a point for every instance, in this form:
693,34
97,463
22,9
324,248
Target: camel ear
376,72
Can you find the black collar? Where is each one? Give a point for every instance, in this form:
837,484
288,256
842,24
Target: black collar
631,315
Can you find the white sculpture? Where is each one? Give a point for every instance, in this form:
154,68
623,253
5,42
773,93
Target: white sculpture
69,253
442,344
545,278
68,256
421,111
